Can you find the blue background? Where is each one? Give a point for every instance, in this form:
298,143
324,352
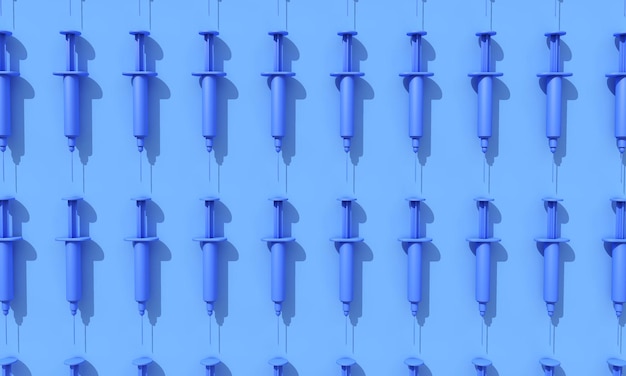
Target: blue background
448,173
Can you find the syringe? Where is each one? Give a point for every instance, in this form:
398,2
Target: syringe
550,247
485,89
73,264
414,255
209,89
554,90
277,248
140,92
278,85
616,365
346,89
6,255
481,365
74,363
142,365
483,254
416,79
209,365
414,365
6,364
71,80
346,365
277,364
209,244
549,365
141,247
620,93
346,255
5,95
618,263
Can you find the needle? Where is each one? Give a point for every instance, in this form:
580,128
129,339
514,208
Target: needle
346,330
74,328
140,168
210,331
3,167
141,324
72,165
347,167
278,167
277,330
6,337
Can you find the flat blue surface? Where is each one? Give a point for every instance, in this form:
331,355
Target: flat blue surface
448,172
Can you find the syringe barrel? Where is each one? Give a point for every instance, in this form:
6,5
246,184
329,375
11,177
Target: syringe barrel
5,108
140,106
620,108
142,271
618,275
416,106
278,86
209,272
278,272
485,106
414,273
483,272
209,106
73,274
6,271
551,273
346,89
554,89
346,269
71,105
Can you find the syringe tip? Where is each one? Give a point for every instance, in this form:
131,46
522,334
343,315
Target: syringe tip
621,150
414,309
550,307
346,309
71,143
278,308
73,308
552,143
3,144
209,144
416,144
484,144
482,307
140,144
209,309
346,144
278,144
619,307
5,307
142,308
621,145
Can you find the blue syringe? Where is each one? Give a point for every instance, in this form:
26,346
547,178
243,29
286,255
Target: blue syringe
209,244
416,79
554,90
483,255
5,95
278,85
71,80
346,90
485,89
346,255
620,93
278,247
618,264
140,92
6,255
141,248
551,245
414,255
209,89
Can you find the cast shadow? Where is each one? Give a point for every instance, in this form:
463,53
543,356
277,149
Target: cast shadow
19,368
357,370
500,92
424,370
559,371
498,254
566,254
227,92
90,91
91,253
154,369
21,90
22,253
159,252
295,92
295,253
86,369
432,92
290,370
222,369
569,93
227,253
492,371
158,91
